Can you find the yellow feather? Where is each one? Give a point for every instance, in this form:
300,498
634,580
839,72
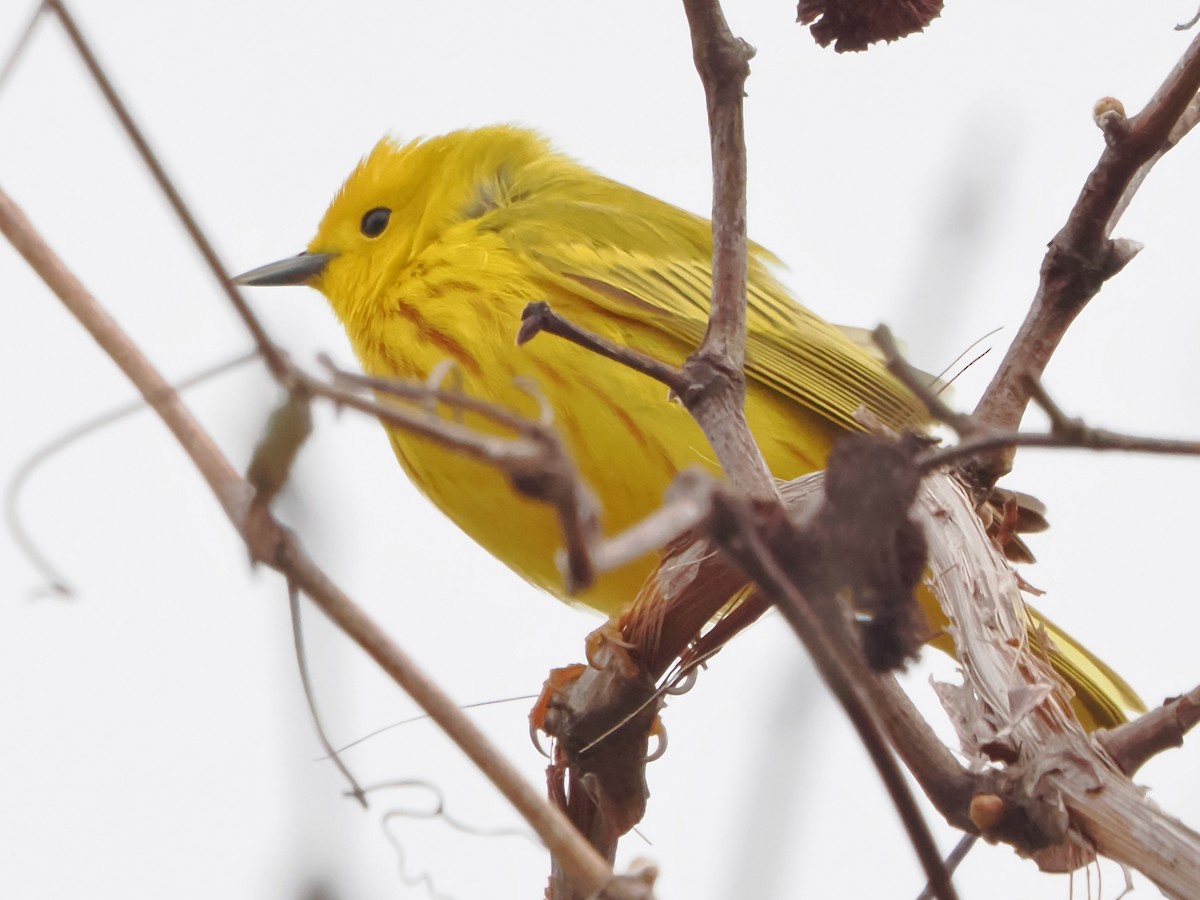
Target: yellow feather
481,223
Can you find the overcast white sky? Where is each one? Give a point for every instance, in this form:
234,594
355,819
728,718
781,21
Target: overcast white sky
154,741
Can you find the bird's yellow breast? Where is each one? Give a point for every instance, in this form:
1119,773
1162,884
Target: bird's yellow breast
461,303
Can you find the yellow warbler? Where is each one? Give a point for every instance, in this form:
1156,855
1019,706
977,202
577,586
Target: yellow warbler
431,250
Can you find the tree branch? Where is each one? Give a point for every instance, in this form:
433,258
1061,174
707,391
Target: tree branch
717,402
736,529
270,353
1133,744
1082,256
978,437
1013,712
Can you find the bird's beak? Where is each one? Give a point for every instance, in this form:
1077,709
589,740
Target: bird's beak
294,270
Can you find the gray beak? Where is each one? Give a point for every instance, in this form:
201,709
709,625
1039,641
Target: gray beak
293,270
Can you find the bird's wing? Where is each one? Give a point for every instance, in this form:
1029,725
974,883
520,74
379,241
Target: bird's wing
655,269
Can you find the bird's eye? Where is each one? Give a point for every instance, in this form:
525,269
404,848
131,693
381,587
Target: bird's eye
374,221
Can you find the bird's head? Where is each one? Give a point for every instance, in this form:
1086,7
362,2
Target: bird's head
401,198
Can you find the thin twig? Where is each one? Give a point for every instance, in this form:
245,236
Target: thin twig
271,354
941,377
37,458
979,438
953,861
439,811
918,383
723,62
498,450
356,791
1133,744
538,317
411,720
1097,439
18,50
428,395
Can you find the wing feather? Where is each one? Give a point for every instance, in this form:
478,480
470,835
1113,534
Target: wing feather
659,275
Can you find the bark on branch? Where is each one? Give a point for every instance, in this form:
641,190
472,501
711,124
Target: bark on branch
1083,255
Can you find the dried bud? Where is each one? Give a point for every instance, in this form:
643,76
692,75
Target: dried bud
287,430
856,24
1107,105
1109,114
987,812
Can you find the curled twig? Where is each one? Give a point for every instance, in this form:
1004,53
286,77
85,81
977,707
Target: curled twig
356,791
56,583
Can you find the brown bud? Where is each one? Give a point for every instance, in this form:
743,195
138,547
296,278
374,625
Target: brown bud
856,24
987,813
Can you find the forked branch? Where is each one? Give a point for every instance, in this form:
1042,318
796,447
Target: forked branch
1083,255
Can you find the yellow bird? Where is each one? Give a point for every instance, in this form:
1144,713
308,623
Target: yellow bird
431,250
